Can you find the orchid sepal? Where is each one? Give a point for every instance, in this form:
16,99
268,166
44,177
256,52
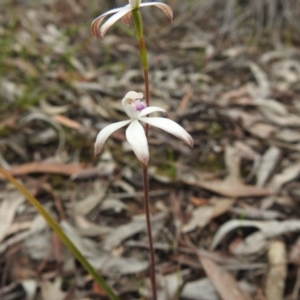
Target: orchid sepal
164,7
104,134
98,30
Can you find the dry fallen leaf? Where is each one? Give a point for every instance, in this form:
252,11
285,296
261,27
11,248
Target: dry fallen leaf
8,207
224,282
257,214
202,215
204,287
9,121
267,166
294,255
198,201
256,241
52,290
169,285
275,282
232,186
287,120
123,232
30,287
87,228
288,135
254,123
233,189
53,110
41,167
101,259
91,200
65,121
261,78
288,174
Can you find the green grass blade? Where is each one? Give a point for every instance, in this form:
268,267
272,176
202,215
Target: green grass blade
54,225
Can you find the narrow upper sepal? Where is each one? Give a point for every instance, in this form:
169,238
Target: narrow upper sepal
112,20
95,28
119,13
164,7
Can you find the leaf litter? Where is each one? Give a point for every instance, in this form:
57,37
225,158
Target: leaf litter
236,192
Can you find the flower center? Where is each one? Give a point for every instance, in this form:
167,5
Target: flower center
137,104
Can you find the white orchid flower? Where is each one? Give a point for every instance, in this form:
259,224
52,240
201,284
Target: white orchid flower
137,110
124,13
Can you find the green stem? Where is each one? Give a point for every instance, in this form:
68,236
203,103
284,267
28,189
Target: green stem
143,50
54,225
137,18
144,60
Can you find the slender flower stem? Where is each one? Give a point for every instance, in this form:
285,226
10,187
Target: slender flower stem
144,60
149,231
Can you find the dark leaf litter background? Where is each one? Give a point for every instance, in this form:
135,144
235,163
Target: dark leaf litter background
225,213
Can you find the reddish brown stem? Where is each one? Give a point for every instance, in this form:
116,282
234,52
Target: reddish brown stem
149,232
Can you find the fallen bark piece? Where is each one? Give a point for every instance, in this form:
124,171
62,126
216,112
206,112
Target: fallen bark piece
202,215
276,276
268,164
65,121
233,189
41,167
232,186
225,284
9,204
266,229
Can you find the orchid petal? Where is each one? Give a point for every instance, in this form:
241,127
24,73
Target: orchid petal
150,110
171,127
113,19
97,22
136,137
105,133
164,7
